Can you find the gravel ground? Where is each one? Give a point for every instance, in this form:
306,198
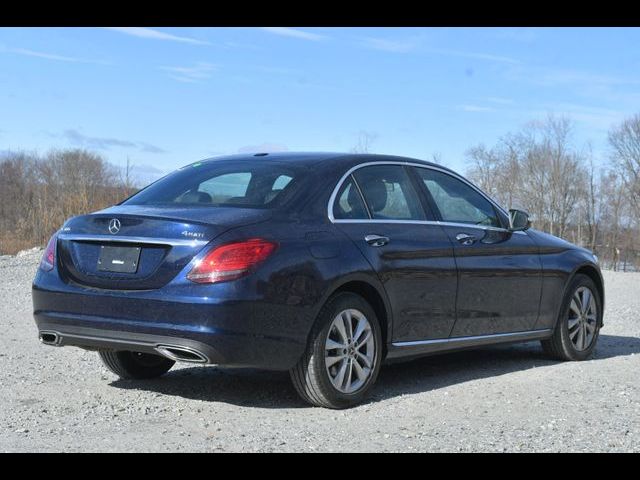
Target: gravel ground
497,399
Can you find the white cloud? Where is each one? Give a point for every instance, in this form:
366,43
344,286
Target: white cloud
596,118
474,108
105,143
556,77
49,56
500,100
152,34
416,44
293,32
200,71
518,34
386,45
477,55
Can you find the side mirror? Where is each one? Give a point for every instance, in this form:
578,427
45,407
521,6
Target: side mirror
518,220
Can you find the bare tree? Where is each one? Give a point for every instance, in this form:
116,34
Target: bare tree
128,180
436,157
592,204
612,188
485,170
625,143
536,169
365,140
37,194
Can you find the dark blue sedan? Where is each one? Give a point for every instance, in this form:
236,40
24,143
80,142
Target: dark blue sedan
324,265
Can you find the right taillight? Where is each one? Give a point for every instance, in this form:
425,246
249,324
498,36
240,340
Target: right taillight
49,256
231,261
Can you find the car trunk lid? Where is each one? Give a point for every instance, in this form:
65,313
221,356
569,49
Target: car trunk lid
132,247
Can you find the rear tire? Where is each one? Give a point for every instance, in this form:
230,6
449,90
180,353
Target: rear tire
343,357
577,328
134,365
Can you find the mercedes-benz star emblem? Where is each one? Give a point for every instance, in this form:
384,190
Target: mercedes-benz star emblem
114,226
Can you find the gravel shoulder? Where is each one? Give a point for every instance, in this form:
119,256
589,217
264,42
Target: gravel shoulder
508,398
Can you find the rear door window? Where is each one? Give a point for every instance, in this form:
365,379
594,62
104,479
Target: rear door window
389,193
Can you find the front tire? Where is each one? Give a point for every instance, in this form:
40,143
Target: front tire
343,357
135,365
578,325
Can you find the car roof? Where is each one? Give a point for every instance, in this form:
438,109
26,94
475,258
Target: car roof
315,159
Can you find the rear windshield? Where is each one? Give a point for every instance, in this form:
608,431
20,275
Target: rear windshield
244,183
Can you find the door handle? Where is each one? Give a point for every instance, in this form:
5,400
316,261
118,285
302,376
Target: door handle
376,240
465,238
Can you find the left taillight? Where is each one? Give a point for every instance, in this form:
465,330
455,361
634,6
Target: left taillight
231,261
49,256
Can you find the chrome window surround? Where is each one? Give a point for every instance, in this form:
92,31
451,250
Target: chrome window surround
349,173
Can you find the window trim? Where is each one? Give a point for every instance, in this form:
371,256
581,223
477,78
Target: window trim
354,182
349,172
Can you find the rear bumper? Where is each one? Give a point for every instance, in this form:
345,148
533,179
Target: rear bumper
235,333
60,335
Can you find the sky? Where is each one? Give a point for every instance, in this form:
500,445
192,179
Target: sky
166,97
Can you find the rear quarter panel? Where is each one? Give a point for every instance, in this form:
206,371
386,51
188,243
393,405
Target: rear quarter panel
285,294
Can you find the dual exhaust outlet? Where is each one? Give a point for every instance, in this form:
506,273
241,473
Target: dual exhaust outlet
181,354
172,352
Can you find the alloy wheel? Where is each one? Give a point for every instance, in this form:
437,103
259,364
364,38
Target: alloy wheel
350,351
582,319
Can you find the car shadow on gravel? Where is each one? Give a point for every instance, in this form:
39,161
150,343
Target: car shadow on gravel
266,389
441,371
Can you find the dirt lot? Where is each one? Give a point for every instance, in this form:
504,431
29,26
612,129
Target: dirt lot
498,399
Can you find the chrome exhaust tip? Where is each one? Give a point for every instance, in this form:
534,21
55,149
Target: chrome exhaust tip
50,338
181,354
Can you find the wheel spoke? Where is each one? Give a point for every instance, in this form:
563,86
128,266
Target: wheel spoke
572,335
360,372
365,359
339,324
329,361
347,383
586,300
333,345
360,328
364,340
572,323
575,307
339,379
346,318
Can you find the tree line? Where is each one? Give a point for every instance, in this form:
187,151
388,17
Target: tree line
593,202
39,192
